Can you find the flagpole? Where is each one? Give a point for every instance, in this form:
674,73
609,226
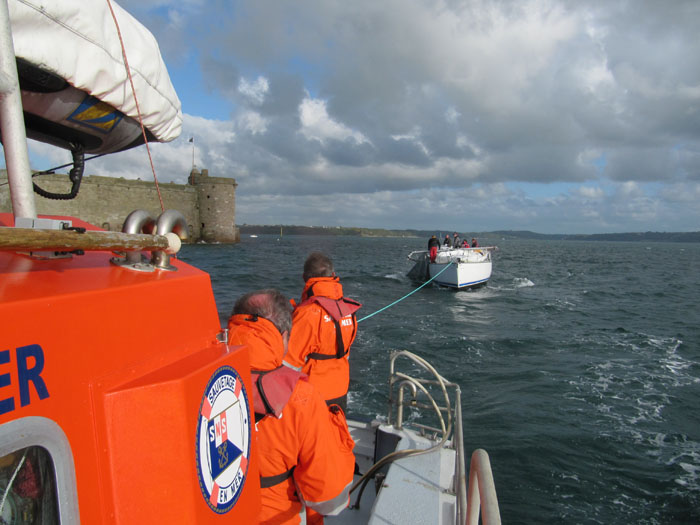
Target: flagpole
192,141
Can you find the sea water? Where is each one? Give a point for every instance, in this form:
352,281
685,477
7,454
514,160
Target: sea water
579,362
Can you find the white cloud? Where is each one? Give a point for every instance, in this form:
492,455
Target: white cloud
452,115
464,143
495,54
592,193
596,77
252,122
317,124
630,189
254,91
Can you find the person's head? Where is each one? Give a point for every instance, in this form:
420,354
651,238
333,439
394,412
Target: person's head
456,234
433,237
318,265
270,304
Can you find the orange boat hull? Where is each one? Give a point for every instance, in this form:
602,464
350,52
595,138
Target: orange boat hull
122,363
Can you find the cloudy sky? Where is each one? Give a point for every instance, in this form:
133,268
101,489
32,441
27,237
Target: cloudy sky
465,115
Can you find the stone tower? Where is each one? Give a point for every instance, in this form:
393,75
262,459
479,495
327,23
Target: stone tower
216,197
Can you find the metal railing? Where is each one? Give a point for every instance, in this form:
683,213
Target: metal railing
463,255
480,492
14,134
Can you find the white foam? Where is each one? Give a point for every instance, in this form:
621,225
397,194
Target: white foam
689,480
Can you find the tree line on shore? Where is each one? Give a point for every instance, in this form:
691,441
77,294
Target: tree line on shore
252,229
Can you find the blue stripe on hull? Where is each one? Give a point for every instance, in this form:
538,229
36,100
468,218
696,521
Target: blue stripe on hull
464,285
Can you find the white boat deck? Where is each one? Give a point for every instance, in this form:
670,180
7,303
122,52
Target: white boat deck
416,490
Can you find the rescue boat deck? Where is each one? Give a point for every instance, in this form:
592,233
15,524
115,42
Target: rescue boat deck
417,489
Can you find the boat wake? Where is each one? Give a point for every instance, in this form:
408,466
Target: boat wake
638,395
522,282
516,283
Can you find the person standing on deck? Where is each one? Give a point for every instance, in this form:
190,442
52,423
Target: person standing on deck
433,247
305,447
456,241
325,327
475,244
447,242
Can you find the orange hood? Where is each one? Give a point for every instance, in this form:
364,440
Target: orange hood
324,287
261,337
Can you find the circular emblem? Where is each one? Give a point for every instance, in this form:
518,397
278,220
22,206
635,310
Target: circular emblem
223,440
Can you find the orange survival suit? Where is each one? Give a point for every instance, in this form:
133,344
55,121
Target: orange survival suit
305,448
323,328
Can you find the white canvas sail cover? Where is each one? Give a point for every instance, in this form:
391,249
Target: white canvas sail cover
78,40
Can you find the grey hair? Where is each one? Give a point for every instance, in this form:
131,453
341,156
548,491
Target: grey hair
270,304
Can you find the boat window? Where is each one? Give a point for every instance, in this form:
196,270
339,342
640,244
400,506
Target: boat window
28,487
37,473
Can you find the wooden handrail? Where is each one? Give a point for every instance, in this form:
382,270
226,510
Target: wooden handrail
29,239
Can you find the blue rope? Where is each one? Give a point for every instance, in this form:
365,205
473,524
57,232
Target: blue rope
405,296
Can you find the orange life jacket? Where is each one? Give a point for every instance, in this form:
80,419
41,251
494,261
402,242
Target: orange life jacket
338,309
323,329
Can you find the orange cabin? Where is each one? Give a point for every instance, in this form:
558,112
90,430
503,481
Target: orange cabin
118,403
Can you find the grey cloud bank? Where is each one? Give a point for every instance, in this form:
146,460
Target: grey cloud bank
556,117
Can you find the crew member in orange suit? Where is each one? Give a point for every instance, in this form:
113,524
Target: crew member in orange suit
305,448
325,327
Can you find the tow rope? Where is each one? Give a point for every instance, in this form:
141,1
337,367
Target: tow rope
405,296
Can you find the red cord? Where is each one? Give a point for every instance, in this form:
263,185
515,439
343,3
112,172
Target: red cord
138,109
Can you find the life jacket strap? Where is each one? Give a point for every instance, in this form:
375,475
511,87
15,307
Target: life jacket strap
341,401
271,481
263,397
340,350
320,357
339,344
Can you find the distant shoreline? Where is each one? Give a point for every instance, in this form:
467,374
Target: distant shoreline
251,229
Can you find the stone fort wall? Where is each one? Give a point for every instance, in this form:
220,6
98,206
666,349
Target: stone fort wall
208,203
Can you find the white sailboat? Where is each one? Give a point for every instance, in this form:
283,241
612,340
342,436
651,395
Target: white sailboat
454,267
